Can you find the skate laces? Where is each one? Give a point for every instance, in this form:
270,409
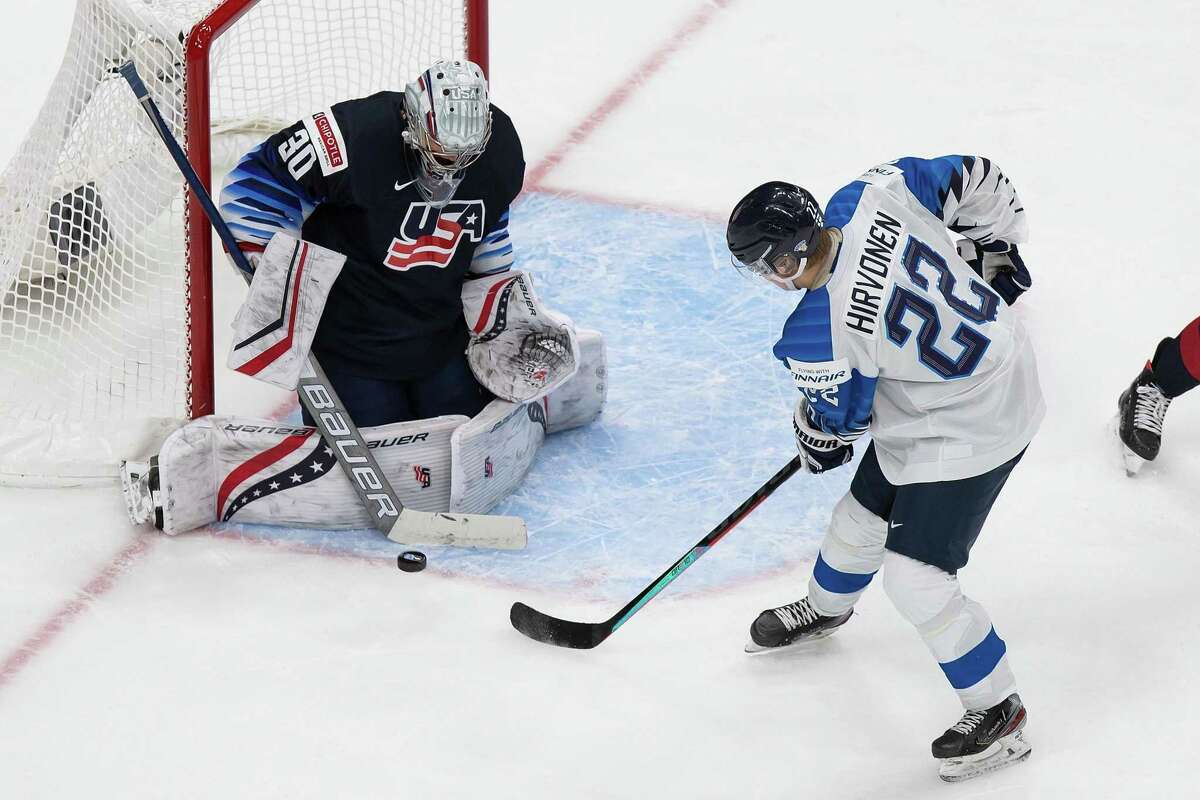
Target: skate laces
795,615
1151,408
968,722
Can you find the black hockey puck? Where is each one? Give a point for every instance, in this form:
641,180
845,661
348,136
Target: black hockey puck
411,561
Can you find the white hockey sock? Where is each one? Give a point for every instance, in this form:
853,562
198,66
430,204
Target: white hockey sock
956,629
850,556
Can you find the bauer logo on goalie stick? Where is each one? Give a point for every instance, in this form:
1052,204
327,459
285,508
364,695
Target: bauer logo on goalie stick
331,150
339,431
429,238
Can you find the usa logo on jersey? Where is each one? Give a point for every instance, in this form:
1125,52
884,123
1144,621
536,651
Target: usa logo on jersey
429,238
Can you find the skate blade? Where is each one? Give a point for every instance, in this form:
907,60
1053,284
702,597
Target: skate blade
1007,751
1133,462
754,648
1130,460
138,515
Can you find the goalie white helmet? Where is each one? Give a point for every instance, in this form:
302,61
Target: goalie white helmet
449,124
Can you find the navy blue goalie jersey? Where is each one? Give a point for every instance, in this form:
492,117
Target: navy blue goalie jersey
344,178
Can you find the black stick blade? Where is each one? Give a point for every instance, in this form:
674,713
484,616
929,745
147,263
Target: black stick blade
555,631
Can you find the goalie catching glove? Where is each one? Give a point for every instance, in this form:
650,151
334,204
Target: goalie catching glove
822,451
519,349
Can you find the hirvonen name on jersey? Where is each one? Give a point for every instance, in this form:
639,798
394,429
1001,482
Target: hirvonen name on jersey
870,275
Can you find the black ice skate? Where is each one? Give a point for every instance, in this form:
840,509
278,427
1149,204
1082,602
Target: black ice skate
1142,407
983,741
791,624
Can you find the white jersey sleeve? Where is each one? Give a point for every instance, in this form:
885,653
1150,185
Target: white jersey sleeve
906,338
969,195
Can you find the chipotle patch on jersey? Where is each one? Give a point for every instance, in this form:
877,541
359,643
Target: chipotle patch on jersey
331,147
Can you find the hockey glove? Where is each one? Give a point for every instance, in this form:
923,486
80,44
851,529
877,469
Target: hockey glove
1000,265
519,350
822,451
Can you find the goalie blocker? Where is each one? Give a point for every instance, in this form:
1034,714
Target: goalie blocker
228,469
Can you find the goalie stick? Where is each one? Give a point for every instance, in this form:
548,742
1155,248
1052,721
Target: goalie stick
586,635
400,524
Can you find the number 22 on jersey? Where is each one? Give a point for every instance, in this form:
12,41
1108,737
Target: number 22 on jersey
910,312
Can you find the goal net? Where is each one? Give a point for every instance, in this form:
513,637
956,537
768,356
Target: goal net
105,263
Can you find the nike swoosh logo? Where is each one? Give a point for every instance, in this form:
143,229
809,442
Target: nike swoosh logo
895,524
400,186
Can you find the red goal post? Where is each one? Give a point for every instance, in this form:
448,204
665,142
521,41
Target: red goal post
198,48
106,296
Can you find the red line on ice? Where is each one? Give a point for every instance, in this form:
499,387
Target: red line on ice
72,609
625,89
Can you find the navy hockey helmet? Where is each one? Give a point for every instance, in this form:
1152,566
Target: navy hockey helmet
773,220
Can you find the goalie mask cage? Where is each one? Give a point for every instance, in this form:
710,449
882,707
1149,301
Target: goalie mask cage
105,262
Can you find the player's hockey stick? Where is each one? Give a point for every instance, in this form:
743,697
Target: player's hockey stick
586,635
398,523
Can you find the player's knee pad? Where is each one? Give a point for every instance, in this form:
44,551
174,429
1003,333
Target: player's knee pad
921,592
855,539
850,556
492,452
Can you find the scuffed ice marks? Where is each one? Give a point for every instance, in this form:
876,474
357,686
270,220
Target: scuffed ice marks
698,416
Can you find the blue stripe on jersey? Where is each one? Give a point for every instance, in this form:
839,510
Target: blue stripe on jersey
262,166
840,409
969,669
492,251
259,190
244,233
257,201
495,253
842,205
806,333
836,581
929,179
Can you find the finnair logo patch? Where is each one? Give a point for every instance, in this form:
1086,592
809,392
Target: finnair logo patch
820,375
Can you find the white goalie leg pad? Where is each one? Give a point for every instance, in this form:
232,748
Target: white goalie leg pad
519,349
219,469
274,329
493,452
581,399
956,629
188,477
851,554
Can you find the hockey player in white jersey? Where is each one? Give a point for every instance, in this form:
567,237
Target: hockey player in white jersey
906,334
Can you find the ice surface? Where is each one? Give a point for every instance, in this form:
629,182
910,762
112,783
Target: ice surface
226,664
697,415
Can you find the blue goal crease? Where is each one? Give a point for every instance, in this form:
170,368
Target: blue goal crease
698,416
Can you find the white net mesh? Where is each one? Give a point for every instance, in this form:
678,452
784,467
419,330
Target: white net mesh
94,307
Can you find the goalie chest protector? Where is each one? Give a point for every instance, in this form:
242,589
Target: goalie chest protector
395,311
